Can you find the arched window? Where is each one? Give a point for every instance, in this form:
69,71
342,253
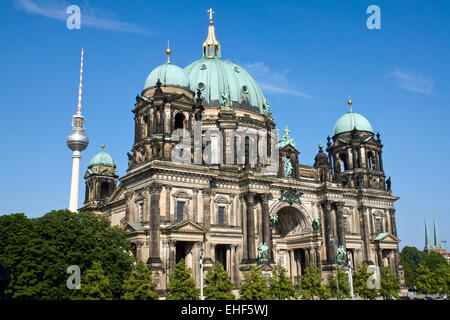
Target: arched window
104,190
179,122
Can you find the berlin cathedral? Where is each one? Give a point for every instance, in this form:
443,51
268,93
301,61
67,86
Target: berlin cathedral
233,212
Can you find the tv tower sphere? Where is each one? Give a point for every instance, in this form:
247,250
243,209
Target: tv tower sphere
77,140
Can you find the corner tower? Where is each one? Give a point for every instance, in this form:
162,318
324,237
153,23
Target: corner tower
355,153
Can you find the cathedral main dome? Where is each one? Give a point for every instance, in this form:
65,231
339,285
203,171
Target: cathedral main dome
221,81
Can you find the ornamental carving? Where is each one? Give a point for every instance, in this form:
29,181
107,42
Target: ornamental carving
291,196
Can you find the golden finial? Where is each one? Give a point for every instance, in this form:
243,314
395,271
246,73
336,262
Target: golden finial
287,130
168,52
102,146
211,12
349,101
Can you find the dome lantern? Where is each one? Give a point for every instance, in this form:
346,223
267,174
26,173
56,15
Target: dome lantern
211,47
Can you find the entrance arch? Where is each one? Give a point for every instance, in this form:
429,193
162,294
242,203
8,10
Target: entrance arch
291,219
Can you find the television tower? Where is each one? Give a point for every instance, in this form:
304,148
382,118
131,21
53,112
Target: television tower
77,141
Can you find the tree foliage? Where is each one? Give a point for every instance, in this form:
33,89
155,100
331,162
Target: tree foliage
94,285
218,285
433,275
389,284
360,283
280,284
140,285
181,285
344,287
254,286
311,284
39,251
410,258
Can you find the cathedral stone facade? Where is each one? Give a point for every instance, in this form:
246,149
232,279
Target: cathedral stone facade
224,202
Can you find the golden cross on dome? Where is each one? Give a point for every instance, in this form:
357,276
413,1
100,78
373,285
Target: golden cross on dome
211,12
287,130
102,146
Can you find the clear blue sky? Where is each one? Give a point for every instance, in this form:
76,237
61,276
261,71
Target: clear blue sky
308,56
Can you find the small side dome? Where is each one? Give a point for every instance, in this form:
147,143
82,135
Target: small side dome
169,75
350,121
102,159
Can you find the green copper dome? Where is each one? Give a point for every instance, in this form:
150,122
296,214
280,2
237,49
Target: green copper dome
168,74
352,120
103,159
224,83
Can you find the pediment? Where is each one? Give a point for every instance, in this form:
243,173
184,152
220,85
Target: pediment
182,98
386,238
185,226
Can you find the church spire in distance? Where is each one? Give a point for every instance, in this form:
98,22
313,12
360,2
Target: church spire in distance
211,47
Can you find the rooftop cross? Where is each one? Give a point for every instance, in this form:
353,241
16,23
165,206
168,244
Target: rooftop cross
211,12
287,130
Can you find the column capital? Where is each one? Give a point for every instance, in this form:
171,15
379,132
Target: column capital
207,193
265,197
154,188
128,196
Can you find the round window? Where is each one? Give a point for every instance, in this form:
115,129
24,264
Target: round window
203,66
236,69
201,86
244,89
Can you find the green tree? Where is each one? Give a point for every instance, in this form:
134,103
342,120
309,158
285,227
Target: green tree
344,287
311,284
40,250
280,284
360,283
410,258
218,286
140,285
425,281
254,286
181,285
442,274
94,285
389,284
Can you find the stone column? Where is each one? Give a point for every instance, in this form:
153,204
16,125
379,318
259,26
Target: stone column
381,160
213,253
251,245
318,260
267,234
128,207
329,245
307,258
207,224
364,220
169,216
291,264
154,259
339,207
312,257
243,216
232,270
195,203
228,260
232,203
393,225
